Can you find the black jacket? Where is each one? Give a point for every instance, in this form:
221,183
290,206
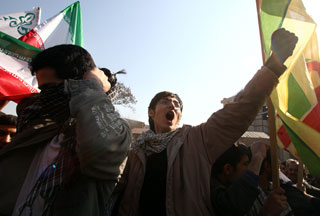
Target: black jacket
103,140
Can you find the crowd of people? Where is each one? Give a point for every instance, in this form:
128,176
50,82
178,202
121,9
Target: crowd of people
69,144
237,172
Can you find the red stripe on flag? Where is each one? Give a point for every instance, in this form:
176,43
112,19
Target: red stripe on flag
284,137
313,66
312,119
33,38
317,91
16,98
12,87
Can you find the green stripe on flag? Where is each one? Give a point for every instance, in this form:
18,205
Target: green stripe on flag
309,158
72,15
298,103
272,15
16,48
294,96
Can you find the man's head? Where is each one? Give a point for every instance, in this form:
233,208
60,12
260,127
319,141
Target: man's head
283,168
164,112
292,170
7,128
232,163
61,62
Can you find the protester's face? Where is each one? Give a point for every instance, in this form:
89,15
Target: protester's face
242,166
166,115
293,172
6,133
234,173
47,75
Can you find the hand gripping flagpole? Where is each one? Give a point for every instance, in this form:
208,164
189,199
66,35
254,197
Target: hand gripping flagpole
271,118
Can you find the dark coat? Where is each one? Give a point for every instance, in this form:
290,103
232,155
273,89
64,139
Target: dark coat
103,140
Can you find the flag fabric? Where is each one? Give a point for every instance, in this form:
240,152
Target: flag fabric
63,28
16,81
18,24
296,98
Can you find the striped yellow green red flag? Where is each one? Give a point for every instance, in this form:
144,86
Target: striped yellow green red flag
296,98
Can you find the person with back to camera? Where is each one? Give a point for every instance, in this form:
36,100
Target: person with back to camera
70,142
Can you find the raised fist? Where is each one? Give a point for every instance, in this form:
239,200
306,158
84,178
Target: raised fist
283,43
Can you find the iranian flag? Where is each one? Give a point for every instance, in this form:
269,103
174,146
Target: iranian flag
18,24
16,81
63,28
296,98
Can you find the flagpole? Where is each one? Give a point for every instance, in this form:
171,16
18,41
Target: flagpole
39,15
271,119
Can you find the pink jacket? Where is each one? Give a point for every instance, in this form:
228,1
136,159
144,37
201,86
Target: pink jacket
193,150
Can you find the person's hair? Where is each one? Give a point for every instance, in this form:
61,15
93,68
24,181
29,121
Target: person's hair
68,61
290,161
157,98
232,156
6,119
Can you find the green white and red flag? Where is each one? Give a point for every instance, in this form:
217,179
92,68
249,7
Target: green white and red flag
63,28
18,24
297,96
16,81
